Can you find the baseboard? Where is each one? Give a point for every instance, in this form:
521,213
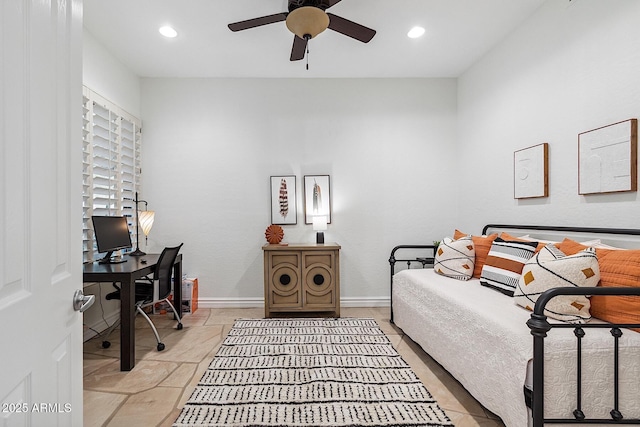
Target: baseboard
259,302
230,302
365,302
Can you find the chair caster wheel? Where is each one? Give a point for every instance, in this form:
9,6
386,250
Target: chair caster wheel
160,346
106,344
179,326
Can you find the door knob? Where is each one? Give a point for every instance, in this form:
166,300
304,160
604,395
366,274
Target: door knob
82,302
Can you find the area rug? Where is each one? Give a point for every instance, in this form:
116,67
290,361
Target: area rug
309,372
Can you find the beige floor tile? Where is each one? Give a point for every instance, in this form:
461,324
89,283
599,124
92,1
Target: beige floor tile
387,327
99,406
94,346
363,312
230,315
199,318
92,363
148,408
146,375
466,420
191,344
381,312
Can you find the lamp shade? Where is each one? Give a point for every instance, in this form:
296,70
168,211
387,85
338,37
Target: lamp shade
145,218
320,223
307,21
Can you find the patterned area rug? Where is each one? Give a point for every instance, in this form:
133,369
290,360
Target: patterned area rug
309,372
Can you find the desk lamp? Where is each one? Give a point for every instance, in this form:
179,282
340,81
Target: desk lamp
319,225
138,252
145,218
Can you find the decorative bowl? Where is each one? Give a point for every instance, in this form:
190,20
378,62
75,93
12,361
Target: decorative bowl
274,234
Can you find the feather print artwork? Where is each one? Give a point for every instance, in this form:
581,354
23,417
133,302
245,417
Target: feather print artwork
284,199
317,197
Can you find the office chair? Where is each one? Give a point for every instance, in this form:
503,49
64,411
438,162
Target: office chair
151,290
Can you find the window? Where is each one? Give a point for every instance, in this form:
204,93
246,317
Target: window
111,165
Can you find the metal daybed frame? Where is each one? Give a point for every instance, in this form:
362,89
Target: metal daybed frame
539,326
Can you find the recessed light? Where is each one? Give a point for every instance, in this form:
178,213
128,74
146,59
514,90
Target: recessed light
415,32
168,31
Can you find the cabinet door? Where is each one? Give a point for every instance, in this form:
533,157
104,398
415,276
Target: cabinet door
284,282
319,279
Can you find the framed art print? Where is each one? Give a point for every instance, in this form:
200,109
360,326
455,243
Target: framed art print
317,197
531,172
608,158
283,200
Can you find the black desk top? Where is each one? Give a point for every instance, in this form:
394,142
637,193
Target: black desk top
132,266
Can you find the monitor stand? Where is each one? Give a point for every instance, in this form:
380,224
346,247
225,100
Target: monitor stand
109,259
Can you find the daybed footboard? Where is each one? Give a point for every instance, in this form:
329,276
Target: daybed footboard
427,252
540,327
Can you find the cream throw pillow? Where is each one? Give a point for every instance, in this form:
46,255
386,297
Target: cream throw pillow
455,258
551,268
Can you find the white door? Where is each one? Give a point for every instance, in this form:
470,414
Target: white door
40,212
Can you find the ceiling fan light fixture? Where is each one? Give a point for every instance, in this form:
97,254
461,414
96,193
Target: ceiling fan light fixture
168,31
416,32
307,21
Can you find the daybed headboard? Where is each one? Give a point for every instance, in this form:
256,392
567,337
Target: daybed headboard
423,255
628,238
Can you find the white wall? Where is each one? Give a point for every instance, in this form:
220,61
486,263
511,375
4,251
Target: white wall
210,146
573,67
409,159
106,75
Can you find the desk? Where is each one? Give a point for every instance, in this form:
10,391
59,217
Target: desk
126,274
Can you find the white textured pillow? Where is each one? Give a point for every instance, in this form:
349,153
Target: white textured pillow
455,258
591,243
551,268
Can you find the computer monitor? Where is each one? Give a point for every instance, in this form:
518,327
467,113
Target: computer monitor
112,234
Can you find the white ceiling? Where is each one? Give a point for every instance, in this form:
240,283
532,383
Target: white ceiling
459,32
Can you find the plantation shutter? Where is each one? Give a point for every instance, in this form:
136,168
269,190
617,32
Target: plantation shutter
111,165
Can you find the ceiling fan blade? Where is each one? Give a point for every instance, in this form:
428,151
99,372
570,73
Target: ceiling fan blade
257,22
298,49
326,4
350,28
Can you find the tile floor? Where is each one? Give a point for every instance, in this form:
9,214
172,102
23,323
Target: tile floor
153,393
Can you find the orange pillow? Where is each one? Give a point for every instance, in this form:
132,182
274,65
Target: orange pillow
482,245
571,247
507,236
618,268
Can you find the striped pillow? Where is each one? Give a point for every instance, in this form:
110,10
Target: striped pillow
504,264
551,268
454,258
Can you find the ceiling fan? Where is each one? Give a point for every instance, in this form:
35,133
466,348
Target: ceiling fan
306,19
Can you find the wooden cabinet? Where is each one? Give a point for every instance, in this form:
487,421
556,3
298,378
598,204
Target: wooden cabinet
302,278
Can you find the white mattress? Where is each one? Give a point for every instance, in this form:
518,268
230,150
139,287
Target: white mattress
480,336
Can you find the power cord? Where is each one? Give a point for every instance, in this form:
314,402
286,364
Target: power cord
98,334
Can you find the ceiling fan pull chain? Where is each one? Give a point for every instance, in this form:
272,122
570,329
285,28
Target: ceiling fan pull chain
307,55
